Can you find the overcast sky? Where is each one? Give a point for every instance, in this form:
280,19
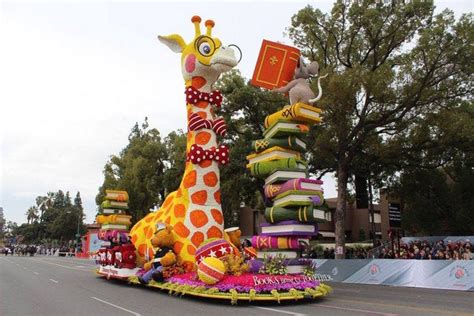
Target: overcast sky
76,76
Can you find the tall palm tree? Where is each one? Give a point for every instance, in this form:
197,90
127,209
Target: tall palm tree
44,202
32,214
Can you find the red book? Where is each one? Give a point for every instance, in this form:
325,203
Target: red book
275,66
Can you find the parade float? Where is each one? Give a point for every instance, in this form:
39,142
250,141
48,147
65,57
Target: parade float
183,247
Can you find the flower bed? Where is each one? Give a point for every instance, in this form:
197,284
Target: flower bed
261,283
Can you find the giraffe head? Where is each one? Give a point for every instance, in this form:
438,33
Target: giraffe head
204,58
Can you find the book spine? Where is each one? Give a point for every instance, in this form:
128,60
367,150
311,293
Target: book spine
302,214
286,114
113,219
272,190
274,242
288,142
293,184
264,168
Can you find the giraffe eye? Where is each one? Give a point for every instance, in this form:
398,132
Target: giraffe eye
205,45
205,49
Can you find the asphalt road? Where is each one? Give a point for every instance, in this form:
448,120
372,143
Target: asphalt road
67,286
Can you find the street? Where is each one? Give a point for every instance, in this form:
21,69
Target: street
43,285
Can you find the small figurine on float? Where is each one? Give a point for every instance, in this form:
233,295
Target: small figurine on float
299,88
163,242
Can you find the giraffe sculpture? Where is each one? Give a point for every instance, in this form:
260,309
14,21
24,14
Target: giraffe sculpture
194,209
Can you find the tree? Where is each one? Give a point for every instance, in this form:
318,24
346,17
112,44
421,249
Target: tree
78,201
390,66
2,223
138,169
175,144
59,200
32,214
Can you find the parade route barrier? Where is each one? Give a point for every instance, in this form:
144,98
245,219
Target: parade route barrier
433,274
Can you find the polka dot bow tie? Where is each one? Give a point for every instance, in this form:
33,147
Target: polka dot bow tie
197,154
193,95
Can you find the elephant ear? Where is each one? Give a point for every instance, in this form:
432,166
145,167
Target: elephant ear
174,41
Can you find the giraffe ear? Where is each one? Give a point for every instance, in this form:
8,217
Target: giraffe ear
174,41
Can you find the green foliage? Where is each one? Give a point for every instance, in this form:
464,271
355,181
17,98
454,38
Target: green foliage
310,269
2,224
139,170
314,249
393,70
439,201
175,144
58,221
274,265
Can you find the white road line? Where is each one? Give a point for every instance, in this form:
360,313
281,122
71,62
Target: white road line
67,267
355,310
280,311
53,281
37,273
116,306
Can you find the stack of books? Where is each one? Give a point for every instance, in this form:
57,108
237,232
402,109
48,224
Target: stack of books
114,222
278,158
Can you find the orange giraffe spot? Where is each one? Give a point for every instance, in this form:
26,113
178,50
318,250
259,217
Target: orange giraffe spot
179,210
205,163
202,114
202,138
197,238
148,218
151,254
210,179
191,249
198,218
217,215
201,104
145,230
168,201
142,250
168,219
179,193
190,179
217,196
177,247
149,234
198,82
181,230
158,215
214,232
134,238
199,197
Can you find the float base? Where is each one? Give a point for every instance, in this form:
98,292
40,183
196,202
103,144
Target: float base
234,296
111,272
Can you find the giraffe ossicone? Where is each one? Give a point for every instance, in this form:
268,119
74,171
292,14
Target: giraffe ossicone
194,209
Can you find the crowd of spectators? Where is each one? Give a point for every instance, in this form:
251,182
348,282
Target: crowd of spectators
424,250
22,250
418,250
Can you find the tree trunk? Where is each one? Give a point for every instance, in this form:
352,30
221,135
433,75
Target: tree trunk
341,211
